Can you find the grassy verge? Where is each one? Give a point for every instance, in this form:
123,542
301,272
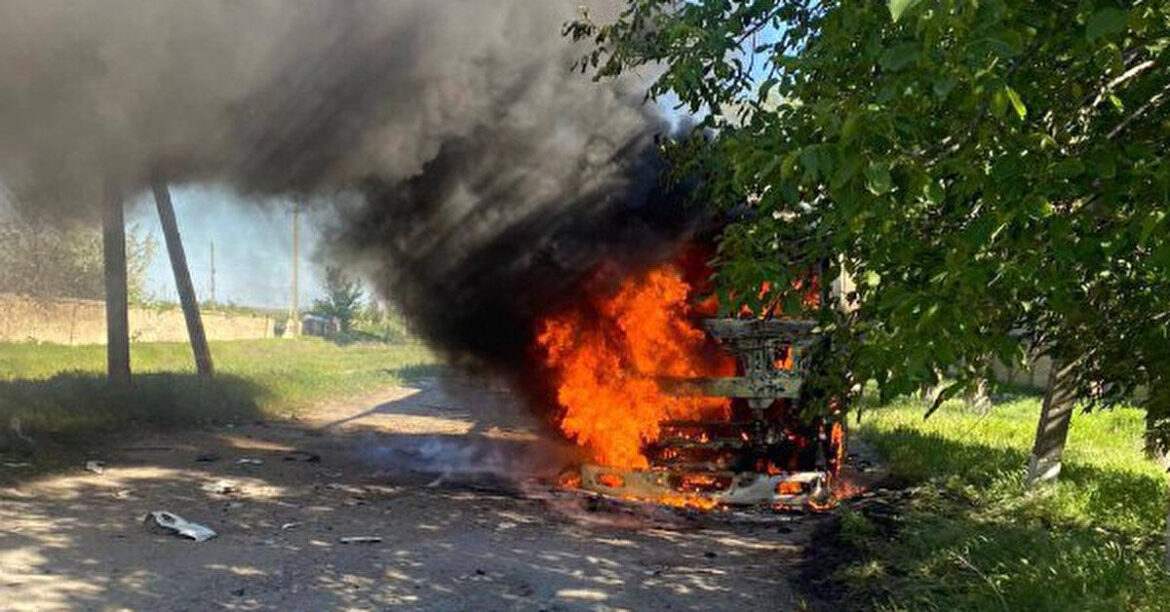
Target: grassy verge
973,538
59,392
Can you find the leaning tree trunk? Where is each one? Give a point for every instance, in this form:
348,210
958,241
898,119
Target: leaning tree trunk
1166,554
1052,430
1157,434
117,307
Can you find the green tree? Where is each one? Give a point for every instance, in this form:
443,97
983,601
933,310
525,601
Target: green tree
993,173
343,298
43,260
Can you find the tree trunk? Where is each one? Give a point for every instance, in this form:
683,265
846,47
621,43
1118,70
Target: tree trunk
117,316
1166,557
170,227
1052,431
979,399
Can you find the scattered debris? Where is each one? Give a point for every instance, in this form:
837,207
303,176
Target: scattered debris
180,526
249,461
303,456
17,464
350,489
206,457
97,467
222,487
123,494
287,526
360,540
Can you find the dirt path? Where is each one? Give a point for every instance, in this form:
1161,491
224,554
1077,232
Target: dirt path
418,468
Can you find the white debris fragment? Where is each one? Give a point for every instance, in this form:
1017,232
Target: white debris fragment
360,540
17,464
180,526
249,461
97,467
222,487
287,526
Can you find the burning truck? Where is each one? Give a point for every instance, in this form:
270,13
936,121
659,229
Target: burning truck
675,405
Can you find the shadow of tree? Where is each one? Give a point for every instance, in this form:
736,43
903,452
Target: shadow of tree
976,538
76,409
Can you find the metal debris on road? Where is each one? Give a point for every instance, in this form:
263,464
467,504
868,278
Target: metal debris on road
249,461
304,456
360,540
97,467
17,464
180,526
287,526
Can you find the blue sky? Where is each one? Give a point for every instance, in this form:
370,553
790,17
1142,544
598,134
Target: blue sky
253,247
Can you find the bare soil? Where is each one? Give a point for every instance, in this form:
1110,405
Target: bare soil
450,475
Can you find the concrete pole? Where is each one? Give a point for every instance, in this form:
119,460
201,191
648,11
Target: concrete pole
170,227
212,271
117,299
294,310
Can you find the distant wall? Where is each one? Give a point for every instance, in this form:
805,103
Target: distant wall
74,322
1034,376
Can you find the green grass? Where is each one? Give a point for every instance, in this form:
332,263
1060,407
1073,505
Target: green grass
59,392
974,538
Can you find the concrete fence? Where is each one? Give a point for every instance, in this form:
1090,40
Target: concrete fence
1034,376
76,322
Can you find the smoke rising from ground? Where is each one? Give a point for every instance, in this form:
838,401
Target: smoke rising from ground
471,175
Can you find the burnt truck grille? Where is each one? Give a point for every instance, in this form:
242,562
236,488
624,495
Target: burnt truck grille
764,455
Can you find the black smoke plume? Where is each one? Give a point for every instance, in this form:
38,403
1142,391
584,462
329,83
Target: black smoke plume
467,171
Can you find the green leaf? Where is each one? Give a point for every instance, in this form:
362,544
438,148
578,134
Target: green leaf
943,87
934,192
1017,103
1068,168
1105,22
899,56
877,179
899,7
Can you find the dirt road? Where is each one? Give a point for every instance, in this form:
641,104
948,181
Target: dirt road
417,467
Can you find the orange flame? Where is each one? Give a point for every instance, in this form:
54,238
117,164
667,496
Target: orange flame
607,353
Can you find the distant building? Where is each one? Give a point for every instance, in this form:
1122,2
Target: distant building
315,325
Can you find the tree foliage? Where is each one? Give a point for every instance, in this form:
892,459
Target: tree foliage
343,297
43,260
992,173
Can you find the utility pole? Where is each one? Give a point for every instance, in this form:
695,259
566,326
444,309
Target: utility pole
117,300
294,316
170,227
212,272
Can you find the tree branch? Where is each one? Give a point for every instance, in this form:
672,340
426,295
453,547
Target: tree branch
1154,102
